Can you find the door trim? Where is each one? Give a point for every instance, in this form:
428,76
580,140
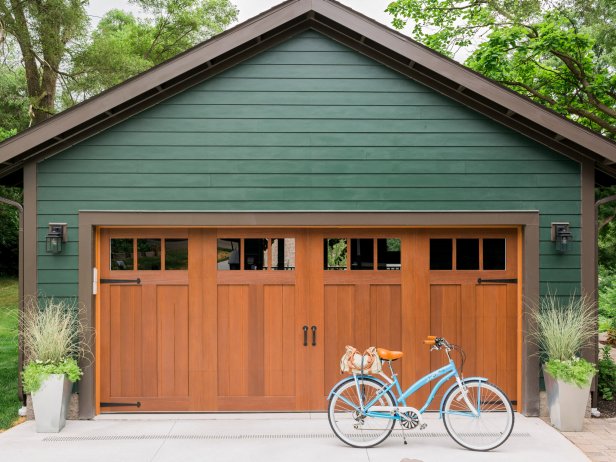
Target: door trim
90,221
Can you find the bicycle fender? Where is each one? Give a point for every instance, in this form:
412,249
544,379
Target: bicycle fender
335,387
468,379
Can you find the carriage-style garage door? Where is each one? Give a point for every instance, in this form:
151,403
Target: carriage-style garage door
256,319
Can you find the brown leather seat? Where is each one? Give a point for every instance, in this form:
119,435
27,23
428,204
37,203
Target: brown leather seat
388,355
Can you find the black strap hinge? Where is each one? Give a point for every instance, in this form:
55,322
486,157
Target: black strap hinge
121,281
502,281
137,404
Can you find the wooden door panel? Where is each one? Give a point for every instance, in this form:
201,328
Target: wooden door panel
172,304
233,349
279,340
360,315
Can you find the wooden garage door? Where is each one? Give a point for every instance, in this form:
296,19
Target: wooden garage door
257,319
145,318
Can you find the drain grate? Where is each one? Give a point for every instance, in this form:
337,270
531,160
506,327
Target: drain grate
259,436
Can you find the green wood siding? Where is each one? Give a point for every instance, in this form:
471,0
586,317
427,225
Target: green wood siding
308,125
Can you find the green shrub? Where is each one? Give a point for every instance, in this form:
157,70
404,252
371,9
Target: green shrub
36,372
607,374
576,371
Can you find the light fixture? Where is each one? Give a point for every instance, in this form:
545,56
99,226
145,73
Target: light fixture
56,235
561,236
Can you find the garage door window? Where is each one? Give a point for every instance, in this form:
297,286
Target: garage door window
122,254
467,255
256,254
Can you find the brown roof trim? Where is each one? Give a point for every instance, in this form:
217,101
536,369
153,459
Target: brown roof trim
269,28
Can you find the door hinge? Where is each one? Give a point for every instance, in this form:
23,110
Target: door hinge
121,281
137,404
502,281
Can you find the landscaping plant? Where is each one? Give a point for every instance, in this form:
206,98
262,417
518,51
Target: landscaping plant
54,339
562,330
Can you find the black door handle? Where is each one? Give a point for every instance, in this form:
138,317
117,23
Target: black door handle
314,335
305,335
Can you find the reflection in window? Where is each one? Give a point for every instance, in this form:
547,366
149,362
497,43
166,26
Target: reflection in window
441,254
283,254
335,254
494,254
176,254
362,254
388,253
229,251
467,254
148,254
122,254
255,254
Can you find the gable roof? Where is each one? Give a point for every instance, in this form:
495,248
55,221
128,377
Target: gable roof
276,25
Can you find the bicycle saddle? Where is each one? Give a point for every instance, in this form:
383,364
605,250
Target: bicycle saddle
389,355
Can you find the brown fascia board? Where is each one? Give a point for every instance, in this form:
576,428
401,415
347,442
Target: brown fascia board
91,112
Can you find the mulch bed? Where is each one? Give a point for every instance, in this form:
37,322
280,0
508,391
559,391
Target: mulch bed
607,408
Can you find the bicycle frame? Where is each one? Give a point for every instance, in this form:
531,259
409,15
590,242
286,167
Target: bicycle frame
445,373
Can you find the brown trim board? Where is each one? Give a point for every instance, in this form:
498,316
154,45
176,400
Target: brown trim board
589,261
30,227
529,220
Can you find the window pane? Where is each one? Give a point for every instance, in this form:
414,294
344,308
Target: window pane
176,254
467,254
362,254
229,251
494,254
388,253
122,254
441,254
148,254
335,254
283,254
255,254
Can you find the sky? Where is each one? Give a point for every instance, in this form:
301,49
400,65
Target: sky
249,8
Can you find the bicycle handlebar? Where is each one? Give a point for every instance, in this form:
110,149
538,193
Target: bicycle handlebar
438,342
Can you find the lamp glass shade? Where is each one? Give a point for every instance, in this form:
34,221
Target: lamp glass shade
53,243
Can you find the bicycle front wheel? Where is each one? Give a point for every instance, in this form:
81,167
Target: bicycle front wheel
348,422
487,429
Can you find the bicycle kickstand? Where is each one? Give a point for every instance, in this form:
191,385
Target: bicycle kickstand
403,434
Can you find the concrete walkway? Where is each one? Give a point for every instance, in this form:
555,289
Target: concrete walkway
262,437
598,440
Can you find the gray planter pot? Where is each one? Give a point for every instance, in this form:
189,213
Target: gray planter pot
50,403
566,402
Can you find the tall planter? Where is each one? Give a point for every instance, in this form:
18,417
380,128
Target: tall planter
50,403
566,403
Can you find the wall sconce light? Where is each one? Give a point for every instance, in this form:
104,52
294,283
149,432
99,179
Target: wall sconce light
56,235
561,236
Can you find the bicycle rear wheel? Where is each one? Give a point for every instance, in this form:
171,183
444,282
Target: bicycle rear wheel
349,423
483,432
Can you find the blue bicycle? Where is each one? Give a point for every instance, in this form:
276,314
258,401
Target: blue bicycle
363,409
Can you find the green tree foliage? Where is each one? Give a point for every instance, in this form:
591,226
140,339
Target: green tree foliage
44,31
13,101
550,51
9,231
124,45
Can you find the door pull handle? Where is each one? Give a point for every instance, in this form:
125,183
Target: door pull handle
314,335
305,335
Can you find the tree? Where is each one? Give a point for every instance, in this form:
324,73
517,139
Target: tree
43,30
123,45
549,51
56,51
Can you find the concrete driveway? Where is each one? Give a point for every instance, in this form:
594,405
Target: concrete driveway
262,437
